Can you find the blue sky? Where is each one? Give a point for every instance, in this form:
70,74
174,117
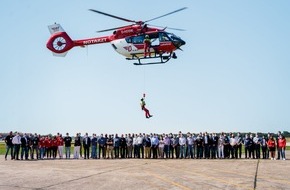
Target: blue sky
233,74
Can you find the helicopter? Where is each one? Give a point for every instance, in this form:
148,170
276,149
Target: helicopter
126,40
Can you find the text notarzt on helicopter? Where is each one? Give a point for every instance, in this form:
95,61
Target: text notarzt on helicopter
100,40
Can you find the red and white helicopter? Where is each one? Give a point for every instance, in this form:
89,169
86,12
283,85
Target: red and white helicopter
126,40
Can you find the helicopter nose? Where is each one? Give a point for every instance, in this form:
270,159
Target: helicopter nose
179,43
182,42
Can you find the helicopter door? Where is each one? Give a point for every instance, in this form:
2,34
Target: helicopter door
154,39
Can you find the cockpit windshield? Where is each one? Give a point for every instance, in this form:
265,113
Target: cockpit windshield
173,37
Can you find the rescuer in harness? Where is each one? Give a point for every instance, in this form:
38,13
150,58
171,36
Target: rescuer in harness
143,104
147,44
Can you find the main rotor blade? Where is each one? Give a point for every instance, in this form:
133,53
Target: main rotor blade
167,14
110,29
113,16
179,29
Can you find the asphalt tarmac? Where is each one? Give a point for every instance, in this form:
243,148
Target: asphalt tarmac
146,174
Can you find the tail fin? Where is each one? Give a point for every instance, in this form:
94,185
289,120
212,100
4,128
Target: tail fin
59,42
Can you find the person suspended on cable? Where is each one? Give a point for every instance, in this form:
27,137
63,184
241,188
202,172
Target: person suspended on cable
147,44
143,107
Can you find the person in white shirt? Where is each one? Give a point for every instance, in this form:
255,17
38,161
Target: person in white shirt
233,143
257,145
140,146
221,142
182,147
16,141
135,145
189,146
161,147
154,145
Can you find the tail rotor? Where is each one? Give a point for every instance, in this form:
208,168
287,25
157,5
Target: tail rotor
59,42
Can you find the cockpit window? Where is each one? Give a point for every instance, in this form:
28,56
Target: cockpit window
138,39
173,37
163,37
128,39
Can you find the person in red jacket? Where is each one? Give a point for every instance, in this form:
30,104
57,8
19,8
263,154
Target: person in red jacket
143,104
60,143
282,146
48,145
147,44
272,146
54,145
42,147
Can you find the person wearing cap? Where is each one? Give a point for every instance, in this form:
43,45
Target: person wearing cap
9,145
147,44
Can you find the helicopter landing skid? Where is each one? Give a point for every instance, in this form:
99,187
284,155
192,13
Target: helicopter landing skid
163,59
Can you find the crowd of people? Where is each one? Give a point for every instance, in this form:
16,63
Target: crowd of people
148,146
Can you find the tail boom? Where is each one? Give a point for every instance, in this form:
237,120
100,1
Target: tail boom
60,42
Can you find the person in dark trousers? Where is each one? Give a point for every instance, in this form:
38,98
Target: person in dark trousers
24,147
206,145
9,145
199,147
227,146
102,146
123,146
239,145
264,147
16,141
117,146
35,148
247,144
154,145
86,145
94,147
252,147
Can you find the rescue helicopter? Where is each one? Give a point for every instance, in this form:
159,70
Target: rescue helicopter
126,40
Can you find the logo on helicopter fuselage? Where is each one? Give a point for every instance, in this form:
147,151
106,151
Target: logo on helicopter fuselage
127,31
130,48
